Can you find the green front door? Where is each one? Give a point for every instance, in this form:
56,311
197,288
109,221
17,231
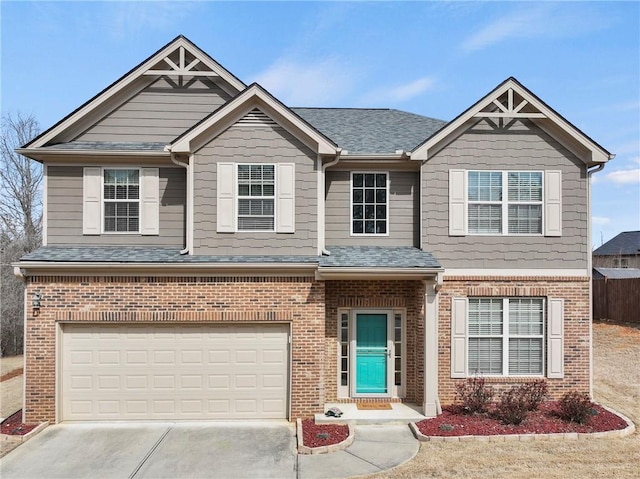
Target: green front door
371,353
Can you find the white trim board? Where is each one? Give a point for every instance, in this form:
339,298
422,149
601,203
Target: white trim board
578,273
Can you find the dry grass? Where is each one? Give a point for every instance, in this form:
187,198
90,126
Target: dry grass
616,384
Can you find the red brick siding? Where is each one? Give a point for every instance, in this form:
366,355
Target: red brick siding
299,301
407,295
574,291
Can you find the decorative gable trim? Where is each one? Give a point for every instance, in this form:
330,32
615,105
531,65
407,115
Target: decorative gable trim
178,59
508,101
242,109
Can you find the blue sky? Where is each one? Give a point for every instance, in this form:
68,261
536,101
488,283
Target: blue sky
430,58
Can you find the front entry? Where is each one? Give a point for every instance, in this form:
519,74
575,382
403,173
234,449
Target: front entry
372,353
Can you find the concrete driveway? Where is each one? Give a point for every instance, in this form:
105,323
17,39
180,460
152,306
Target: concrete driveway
156,450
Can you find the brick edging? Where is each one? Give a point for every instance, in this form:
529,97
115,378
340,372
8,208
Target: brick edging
531,437
20,438
302,449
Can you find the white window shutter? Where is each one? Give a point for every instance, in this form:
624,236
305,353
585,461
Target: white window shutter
555,340
457,203
91,195
459,337
226,187
150,217
553,203
285,198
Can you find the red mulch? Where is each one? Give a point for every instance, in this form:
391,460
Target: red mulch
14,426
316,435
452,422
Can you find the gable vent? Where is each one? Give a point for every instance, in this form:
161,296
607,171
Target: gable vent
256,118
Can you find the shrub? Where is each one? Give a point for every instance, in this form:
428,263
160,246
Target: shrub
534,393
474,395
575,407
513,405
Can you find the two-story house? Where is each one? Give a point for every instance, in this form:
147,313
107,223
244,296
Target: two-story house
210,252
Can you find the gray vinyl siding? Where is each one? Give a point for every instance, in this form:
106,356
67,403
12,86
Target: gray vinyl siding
159,113
255,144
403,212
522,147
64,211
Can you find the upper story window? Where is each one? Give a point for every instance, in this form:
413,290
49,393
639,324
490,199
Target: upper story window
256,197
369,204
504,202
121,200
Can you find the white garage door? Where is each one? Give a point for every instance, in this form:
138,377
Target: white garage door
150,371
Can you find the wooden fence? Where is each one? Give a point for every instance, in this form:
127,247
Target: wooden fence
617,299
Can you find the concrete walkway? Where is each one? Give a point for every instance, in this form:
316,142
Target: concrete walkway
199,450
376,448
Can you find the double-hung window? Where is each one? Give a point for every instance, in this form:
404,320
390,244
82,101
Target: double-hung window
506,336
256,197
505,202
369,204
121,200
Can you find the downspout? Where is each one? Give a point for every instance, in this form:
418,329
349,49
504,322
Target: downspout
321,199
589,272
174,159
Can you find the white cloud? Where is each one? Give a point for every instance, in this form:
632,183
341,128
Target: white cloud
624,177
126,18
388,96
600,220
411,89
542,21
316,83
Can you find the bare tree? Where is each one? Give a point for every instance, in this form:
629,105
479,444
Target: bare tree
20,223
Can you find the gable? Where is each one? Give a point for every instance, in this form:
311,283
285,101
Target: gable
159,113
508,102
253,98
180,63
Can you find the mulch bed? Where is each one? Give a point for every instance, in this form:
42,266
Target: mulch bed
14,426
316,435
453,422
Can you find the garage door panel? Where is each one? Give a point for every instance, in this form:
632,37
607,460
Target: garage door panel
148,371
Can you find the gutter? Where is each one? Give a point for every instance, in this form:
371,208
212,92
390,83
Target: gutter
174,159
321,201
137,269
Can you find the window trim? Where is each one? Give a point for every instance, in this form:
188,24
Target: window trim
505,337
388,197
238,197
103,231
505,203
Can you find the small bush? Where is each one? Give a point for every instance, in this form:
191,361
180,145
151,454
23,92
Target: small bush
534,393
575,407
513,406
474,395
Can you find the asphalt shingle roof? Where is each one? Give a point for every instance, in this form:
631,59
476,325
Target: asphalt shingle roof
341,256
143,254
616,273
371,130
378,257
627,242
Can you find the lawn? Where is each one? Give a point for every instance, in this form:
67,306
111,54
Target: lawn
616,384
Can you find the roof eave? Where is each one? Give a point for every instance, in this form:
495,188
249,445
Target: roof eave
95,268
348,273
39,154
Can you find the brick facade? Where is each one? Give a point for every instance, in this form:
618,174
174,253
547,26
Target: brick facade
406,295
310,306
296,300
574,291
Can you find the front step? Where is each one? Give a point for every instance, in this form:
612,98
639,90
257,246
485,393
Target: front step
400,413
